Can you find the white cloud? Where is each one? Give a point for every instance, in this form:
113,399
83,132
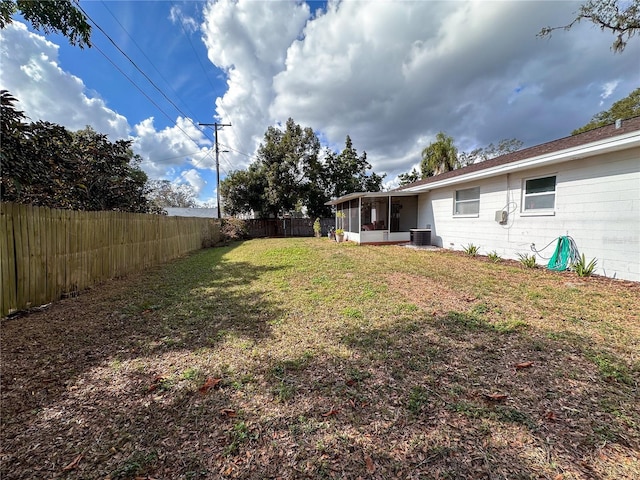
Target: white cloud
31,72
248,40
389,74
193,178
177,16
393,74
608,89
165,150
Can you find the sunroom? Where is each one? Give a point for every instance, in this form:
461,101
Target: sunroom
377,217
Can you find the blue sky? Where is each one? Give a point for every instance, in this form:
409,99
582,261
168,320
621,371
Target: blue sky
389,74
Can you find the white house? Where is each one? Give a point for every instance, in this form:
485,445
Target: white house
192,212
585,186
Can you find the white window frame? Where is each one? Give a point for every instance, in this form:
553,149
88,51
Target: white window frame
525,196
456,202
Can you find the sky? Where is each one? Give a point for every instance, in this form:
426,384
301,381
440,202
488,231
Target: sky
390,74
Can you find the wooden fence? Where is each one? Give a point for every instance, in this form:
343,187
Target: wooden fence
287,227
46,254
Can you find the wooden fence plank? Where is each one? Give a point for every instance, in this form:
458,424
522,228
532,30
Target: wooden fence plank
48,253
8,298
22,255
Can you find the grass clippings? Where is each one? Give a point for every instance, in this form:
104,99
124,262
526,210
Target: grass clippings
303,358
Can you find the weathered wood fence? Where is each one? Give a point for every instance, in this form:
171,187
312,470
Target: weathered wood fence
46,254
286,227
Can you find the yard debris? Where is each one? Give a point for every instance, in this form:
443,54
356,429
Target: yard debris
386,392
521,365
496,397
74,463
209,384
333,411
551,416
370,465
156,382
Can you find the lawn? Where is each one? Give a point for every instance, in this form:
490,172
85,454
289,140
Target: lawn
303,358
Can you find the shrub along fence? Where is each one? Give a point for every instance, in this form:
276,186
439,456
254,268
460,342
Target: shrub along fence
46,254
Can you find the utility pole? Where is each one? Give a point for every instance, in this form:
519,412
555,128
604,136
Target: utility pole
216,126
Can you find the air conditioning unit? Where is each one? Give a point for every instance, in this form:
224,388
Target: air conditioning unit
502,216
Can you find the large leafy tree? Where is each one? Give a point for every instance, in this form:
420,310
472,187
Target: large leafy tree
348,172
289,175
490,151
44,164
50,16
620,17
443,156
110,172
163,193
407,178
439,156
243,191
286,157
622,109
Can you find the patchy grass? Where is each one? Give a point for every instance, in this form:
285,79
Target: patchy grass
303,358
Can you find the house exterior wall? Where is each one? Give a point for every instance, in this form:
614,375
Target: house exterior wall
597,203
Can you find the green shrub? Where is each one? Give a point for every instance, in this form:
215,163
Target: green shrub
584,269
528,261
494,257
471,250
234,229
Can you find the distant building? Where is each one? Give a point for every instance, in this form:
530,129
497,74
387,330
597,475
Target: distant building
192,212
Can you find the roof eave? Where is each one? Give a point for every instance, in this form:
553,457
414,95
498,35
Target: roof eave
354,196
608,145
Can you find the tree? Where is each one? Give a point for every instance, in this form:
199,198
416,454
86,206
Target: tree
347,172
289,176
439,157
14,131
163,194
51,16
407,178
45,164
110,172
622,109
286,158
243,191
503,147
621,17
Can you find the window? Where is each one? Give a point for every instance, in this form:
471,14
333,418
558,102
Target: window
467,202
539,194
374,213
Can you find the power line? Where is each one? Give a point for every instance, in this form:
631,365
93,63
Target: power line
206,74
132,62
216,126
133,40
238,151
147,77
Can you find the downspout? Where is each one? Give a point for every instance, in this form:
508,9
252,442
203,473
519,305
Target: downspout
508,203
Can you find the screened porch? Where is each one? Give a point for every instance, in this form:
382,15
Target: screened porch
377,217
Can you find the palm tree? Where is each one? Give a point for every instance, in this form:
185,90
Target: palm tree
439,157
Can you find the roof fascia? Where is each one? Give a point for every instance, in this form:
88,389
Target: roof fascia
354,196
600,147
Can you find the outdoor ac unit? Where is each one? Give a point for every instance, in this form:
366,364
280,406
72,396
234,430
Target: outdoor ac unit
502,216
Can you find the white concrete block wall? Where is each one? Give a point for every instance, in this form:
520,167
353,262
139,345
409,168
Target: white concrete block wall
597,204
